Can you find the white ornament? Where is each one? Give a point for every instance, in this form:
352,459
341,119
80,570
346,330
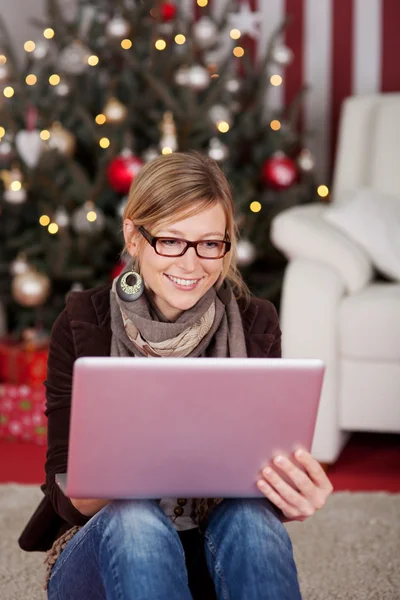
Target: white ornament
117,27
217,150
246,21
19,266
73,58
15,197
29,146
232,85
62,89
41,49
306,160
198,77
282,55
182,76
4,72
245,253
82,224
61,217
150,154
218,113
204,32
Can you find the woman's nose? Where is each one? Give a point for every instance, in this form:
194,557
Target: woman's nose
189,261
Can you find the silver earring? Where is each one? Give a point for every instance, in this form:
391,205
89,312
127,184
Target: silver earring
129,292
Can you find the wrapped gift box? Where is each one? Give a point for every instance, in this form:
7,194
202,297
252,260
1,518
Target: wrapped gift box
22,413
23,363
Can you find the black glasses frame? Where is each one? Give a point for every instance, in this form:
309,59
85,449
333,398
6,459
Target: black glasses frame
152,240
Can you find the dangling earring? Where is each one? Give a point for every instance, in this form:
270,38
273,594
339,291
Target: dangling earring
127,292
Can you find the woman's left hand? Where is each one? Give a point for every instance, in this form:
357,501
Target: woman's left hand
312,484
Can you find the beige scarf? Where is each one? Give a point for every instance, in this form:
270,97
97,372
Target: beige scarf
213,327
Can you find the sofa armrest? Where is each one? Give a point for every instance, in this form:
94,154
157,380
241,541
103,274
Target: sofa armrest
303,232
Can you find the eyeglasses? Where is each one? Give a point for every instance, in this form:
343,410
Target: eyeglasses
211,249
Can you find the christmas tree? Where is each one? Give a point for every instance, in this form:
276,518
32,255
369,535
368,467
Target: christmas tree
104,90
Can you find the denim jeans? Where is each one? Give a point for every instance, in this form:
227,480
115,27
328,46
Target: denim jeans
130,550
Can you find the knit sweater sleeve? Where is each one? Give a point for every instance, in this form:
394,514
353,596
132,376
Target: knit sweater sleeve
58,406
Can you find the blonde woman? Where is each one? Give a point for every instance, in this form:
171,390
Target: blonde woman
181,295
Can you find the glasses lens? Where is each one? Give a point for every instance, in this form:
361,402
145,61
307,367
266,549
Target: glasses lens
170,247
211,249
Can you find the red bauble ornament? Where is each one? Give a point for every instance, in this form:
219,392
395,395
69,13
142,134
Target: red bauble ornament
279,171
167,12
117,270
122,170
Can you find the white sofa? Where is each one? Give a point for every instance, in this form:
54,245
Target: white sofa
333,307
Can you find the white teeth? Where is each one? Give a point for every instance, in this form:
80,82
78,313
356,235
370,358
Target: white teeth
187,282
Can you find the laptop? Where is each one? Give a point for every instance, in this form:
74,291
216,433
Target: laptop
185,427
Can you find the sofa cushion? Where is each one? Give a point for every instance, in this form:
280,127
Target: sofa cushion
372,219
369,323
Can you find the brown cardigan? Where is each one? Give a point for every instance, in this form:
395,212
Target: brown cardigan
84,329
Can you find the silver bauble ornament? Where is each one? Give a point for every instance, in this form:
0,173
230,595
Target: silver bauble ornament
306,161
219,112
232,85
150,154
88,219
182,76
114,111
245,253
62,89
282,55
204,32
41,50
4,72
19,265
118,28
198,78
30,288
217,150
61,139
14,191
73,58
61,217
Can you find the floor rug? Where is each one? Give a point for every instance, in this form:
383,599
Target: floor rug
350,550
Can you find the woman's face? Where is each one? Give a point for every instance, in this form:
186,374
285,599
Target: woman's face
160,272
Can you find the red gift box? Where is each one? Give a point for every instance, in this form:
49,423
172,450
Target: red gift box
23,362
22,413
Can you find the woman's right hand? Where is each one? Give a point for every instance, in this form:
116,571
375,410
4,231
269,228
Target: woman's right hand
89,507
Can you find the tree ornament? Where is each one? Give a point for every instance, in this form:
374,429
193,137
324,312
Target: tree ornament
217,150
42,49
247,21
232,85
20,265
31,288
61,217
14,191
73,58
198,78
61,139
122,170
279,171
29,146
245,253
306,161
62,89
182,76
118,27
114,111
6,150
88,219
219,112
4,72
167,12
204,32
282,55
168,141
150,154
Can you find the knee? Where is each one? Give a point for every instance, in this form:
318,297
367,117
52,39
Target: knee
249,519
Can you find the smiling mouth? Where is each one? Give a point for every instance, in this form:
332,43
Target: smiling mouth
183,282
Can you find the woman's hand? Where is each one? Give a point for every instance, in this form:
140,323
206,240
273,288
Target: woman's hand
88,507
312,485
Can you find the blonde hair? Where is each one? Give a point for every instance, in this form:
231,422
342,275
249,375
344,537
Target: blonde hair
179,185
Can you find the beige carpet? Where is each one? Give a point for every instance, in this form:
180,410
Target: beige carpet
349,550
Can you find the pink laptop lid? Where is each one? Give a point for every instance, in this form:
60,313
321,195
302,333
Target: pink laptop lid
169,427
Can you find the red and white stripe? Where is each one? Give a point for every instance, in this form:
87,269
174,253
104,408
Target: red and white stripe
342,48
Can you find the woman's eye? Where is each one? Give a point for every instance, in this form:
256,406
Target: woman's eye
210,245
169,243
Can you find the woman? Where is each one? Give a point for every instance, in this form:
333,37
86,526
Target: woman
179,230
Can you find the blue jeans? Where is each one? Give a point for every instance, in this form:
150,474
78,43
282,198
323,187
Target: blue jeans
130,550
